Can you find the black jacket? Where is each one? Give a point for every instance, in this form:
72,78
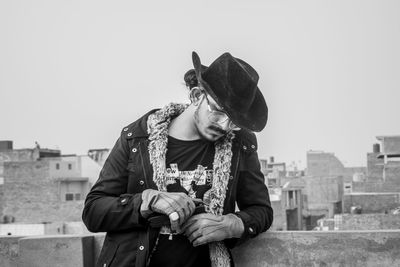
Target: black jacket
113,204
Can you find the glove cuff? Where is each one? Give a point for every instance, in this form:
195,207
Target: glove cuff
236,225
145,207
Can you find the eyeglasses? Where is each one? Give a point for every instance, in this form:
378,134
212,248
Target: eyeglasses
219,117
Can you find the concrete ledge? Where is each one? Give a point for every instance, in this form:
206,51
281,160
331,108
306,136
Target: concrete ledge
9,251
56,251
335,248
296,248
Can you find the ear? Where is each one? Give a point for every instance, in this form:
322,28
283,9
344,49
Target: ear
195,95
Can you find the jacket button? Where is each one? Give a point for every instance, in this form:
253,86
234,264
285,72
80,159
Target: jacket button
141,248
244,147
251,230
141,182
129,134
134,150
126,129
253,146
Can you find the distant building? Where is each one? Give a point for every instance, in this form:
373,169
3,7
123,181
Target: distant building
325,181
99,155
41,185
379,190
293,204
273,171
285,194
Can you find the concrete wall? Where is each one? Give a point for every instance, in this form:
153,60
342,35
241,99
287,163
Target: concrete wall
279,222
9,251
338,248
323,193
321,249
323,164
371,202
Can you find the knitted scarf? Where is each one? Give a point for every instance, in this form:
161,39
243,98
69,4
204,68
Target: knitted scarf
157,127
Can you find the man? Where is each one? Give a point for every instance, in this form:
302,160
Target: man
167,193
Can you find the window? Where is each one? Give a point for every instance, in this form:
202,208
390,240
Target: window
69,197
72,196
69,166
73,190
57,166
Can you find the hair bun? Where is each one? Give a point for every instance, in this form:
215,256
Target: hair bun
190,79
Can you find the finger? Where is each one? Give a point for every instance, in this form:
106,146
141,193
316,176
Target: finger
174,220
188,223
188,210
208,234
192,206
175,226
194,235
182,216
186,213
190,229
198,201
201,240
174,216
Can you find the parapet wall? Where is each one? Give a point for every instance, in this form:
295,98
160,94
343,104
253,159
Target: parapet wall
288,248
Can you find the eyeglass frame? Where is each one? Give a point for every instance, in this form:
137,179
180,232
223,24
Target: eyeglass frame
213,112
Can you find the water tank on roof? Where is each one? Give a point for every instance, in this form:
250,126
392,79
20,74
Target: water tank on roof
356,209
376,148
6,145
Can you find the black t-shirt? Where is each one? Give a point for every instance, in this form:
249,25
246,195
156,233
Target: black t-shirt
189,170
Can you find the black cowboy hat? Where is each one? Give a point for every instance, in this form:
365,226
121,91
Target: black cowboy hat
232,83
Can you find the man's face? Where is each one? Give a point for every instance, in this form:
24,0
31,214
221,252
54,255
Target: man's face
207,129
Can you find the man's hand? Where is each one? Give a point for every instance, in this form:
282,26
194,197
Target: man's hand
205,228
178,206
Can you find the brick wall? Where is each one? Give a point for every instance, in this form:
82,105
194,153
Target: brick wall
31,195
374,167
392,173
372,203
1,202
377,187
19,155
369,222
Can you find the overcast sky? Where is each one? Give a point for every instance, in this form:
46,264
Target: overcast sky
73,73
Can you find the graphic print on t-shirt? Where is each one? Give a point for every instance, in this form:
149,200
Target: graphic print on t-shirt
195,183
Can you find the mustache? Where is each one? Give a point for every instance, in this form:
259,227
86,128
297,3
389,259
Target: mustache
217,129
